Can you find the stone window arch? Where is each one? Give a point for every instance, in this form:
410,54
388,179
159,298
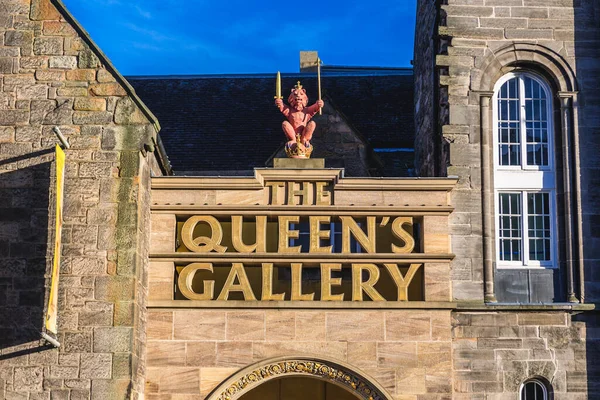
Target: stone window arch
534,389
550,67
524,172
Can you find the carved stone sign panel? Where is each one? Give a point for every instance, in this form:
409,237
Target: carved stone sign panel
303,240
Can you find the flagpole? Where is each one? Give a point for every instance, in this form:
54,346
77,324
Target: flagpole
319,81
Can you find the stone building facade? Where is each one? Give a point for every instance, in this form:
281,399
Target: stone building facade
53,76
465,51
134,322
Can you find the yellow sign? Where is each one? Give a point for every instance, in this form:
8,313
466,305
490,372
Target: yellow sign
52,311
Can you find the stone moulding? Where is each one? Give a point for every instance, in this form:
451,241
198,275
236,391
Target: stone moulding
330,371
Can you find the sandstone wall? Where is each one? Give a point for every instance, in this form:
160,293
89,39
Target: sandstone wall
50,76
190,352
495,352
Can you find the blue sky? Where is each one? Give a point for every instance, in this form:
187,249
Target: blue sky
169,37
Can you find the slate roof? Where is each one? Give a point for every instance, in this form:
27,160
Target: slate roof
229,123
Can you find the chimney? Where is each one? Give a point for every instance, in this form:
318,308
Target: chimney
308,61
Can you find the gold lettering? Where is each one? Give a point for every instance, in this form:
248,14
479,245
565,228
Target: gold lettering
285,234
358,286
260,246
327,282
402,282
186,278
203,244
316,234
323,196
302,193
297,285
403,234
237,271
267,284
366,241
275,192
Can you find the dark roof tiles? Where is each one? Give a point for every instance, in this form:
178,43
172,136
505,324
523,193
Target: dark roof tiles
230,123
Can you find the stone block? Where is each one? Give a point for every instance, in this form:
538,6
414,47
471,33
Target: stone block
210,378
29,92
465,10
48,46
28,379
245,325
393,355
363,354
6,65
113,339
18,38
310,326
43,10
234,354
114,288
264,350
403,324
529,33
491,343
280,325
529,12
77,342
355,326
49,75
201,354
199,325
163,233
96,366
63,62
58,28
558,318
89,104
411,381
92,117
107,89
161,271
105,76
110,389
166,353
81,75
128,113
87,58
14,117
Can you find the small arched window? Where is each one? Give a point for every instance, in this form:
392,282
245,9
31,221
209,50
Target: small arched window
533,390
524,172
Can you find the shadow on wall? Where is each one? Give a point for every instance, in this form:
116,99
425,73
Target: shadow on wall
24,254
587,52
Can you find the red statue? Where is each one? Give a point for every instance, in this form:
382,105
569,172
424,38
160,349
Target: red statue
298,128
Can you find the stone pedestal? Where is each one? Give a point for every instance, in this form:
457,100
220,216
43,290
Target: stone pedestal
299,163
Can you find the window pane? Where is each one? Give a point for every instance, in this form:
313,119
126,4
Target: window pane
538,218
533,391
510,230
536,122
509,135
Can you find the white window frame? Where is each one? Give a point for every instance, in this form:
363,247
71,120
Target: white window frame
537,382
525,179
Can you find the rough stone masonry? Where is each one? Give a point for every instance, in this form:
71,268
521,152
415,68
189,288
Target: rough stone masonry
52,75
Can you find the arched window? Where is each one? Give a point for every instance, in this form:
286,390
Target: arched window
533,390
524,172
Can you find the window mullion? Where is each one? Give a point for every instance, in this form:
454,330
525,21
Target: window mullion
525,224
522,122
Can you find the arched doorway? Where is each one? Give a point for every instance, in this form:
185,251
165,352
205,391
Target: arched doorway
269,379
298,388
